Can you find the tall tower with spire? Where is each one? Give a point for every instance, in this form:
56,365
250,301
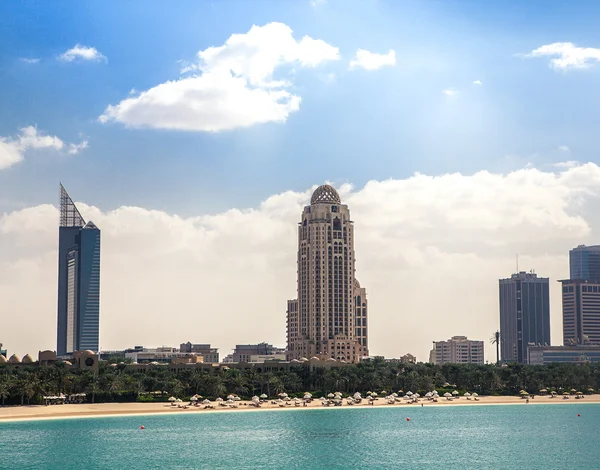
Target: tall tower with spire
329,317
78,280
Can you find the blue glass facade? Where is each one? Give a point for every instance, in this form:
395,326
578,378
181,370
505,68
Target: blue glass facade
78,281
584,263
524,315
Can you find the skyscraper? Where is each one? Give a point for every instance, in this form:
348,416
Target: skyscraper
524,315
584,262
329,317
581,312
78,280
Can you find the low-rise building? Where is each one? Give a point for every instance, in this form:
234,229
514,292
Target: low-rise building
163,354
209,353
260,358
541,355
457,350
242,352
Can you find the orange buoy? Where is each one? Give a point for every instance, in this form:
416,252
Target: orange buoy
407,419
142,427
578,414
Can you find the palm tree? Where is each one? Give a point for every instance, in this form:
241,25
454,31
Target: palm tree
4,390
495,339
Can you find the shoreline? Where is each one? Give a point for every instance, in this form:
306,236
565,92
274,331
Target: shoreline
13,414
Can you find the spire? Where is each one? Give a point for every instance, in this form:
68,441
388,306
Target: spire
69,215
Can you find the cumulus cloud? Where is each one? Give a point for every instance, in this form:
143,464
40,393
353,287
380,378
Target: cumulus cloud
564,148
477,82
567,55
372,60
79,52
567,164
429,250
230,86
12,149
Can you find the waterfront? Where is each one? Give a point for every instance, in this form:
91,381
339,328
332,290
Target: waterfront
482,436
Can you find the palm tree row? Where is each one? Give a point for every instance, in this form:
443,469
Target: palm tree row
30,384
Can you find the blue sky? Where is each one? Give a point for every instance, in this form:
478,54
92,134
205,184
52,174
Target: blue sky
363,125
465,128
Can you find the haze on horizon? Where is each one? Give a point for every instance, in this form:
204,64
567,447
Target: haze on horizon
458,135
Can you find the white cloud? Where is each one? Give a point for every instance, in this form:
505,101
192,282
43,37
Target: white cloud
74,149
429,251
477,82
567,164
372,60
567,55
29,60
79,52
564,148
450,92
231,86
317,3
12,149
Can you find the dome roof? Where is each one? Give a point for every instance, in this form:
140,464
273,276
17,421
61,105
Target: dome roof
14,359
356,284
2,359
67,363
325,194
27,359
88,352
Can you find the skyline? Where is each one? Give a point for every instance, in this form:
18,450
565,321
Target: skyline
457,132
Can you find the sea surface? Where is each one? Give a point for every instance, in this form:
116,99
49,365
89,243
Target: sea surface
436,437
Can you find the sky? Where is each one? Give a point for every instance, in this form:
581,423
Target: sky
459,133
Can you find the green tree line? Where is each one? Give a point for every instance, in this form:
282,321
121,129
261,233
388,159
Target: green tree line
28,384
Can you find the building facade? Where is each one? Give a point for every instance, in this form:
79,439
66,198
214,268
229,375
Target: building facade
323,321
78,280
541,355
581,312
205,350
584,263
457,350
524,315
243,352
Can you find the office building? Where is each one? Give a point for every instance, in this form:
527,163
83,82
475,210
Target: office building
205,350
329,317
584,263
524,315
581,312
243,352
457,350
78,280
577,354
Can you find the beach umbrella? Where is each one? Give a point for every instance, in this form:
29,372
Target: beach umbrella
219,399
172,399
475,394
416,395
264,396
383,392
307,396
394,395
194,398
523,392
454,393
357,396
406,397
409,393
231,397
179,400
447,394
467,394
400,392
330,395
565,393
206,402
374,394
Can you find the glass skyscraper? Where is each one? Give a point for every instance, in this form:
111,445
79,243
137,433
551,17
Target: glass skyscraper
78,280
584,262
524,315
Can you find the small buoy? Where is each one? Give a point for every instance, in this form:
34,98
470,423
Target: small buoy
578,414
407,419
142,427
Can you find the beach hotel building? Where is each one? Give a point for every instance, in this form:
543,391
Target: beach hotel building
457,350
329,317
78,280
209,353
524,315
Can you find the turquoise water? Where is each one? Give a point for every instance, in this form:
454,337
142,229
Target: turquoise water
461,437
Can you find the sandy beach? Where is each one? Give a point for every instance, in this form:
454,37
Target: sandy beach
35,412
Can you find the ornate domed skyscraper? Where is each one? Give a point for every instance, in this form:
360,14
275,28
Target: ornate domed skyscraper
329,317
